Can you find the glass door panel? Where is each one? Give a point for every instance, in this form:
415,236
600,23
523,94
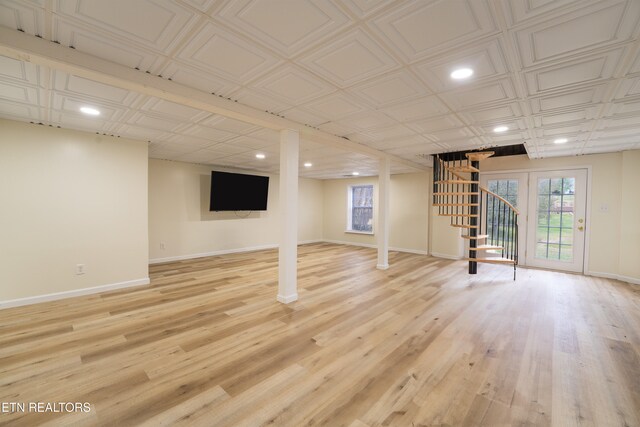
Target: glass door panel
558,206
498,231
513,188
554,233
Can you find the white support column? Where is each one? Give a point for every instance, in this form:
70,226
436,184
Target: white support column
384,177
288,252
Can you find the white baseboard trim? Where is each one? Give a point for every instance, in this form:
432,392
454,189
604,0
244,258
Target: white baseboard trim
275,246
224,252
74,293
446,256
212,253
632,280
341,242
603,275
287,299
309,242
410,251
369,245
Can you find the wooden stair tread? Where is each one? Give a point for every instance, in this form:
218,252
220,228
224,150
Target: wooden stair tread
493,260
478,237
467,168
455,214
479,156
486,248
464,226
457,181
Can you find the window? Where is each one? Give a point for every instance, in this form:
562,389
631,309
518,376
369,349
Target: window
360,214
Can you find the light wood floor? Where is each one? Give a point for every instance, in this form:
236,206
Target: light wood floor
420,344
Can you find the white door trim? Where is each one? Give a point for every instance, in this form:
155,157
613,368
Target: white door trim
588,207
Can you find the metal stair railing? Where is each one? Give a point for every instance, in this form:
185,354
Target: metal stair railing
472,206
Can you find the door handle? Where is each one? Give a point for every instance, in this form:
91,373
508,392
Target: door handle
581,228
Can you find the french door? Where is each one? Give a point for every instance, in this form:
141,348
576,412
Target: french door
551,224
556,231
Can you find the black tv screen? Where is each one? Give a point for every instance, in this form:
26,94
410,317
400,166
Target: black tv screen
238,192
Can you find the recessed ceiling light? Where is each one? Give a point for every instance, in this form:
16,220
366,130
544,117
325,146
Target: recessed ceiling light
90,111
308,165
355,173
560,140
260,156
461,73
499,129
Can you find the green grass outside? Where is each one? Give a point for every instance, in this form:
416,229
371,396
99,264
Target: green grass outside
554,231
559,238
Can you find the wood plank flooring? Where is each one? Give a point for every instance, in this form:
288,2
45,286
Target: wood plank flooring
420,344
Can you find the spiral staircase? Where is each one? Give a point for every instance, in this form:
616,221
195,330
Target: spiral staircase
490,222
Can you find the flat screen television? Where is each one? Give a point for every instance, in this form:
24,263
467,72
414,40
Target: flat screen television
238,192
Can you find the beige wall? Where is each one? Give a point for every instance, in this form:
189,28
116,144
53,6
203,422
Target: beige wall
181,226
70,198
630,216
408,211
445,239
612,240
310,209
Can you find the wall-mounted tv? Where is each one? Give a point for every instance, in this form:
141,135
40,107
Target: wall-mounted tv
238,192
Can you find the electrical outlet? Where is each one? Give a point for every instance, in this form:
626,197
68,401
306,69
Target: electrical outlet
162,246
80,269
604,207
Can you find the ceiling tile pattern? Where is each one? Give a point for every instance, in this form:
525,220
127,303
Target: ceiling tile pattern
376,72
160,33
349,59
486,59
222,53
26,16
602,25
286,26
293,85
418,29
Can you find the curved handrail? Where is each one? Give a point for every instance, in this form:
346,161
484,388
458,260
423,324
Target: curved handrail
476,211
486,190
500,198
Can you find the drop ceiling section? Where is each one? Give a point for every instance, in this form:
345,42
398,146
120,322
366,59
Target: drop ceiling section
374,72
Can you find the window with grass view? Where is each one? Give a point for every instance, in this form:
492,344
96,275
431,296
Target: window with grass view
360,215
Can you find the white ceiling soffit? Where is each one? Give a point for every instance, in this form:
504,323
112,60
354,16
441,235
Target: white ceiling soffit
364,76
